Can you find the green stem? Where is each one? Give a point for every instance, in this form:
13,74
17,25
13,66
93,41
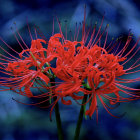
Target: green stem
80,119
57,115
58,120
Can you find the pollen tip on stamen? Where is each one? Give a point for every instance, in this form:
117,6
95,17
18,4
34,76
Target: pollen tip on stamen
14,22
119,38
130,35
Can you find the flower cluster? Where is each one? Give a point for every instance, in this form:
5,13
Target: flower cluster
71,68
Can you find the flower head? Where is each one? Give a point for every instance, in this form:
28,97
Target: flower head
83,67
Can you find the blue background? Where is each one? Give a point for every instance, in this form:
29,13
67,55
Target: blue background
20,122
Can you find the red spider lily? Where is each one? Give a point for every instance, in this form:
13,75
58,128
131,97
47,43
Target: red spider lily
84,67
21,72
97,66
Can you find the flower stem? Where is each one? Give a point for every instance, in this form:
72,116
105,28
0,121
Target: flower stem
57,114
58,121
80,119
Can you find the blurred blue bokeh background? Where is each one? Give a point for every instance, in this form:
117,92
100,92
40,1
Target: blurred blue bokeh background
20,122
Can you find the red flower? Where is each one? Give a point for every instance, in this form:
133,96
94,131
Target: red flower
82,67
24,70
94,68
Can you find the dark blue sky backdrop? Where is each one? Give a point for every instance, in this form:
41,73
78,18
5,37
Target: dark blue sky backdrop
20,122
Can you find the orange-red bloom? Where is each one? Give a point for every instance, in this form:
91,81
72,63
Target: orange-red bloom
93,71
83,67
22,72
